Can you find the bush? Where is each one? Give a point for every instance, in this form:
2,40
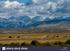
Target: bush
47,44
58,43
18,36
35,43
10,36
5,44
67,42
1,44
23,44
14,44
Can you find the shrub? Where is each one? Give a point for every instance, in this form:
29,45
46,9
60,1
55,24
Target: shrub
58,43
18,36
23,44
47,44
5,44
10,36
67,42
35,43
1,44
14,44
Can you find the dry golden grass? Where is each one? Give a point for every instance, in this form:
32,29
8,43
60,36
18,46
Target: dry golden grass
43,37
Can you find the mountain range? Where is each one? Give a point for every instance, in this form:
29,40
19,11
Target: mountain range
36,24
25,21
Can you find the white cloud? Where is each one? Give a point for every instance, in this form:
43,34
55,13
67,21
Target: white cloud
43,8
40,1
12,4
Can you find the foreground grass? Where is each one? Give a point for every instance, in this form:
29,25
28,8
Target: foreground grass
43,39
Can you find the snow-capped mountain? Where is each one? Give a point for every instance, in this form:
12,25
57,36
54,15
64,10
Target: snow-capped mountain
25,21
14,22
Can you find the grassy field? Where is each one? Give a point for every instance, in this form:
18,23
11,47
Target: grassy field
27,38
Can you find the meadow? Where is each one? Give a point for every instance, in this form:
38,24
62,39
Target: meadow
28,38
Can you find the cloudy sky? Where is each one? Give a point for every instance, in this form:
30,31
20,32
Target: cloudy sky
32,8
